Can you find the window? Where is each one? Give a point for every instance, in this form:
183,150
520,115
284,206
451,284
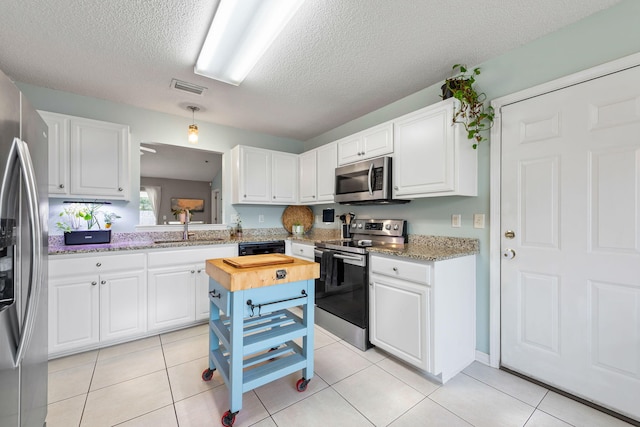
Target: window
147,215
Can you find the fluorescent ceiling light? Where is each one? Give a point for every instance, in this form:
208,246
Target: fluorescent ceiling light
241,32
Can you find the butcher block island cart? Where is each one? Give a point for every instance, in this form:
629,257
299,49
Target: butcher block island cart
251,330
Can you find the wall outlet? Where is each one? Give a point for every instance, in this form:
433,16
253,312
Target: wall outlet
260,218
456,221
478,220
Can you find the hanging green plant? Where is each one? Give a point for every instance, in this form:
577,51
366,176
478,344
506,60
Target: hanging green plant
472,113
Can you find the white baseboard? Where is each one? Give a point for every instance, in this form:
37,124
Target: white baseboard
483,358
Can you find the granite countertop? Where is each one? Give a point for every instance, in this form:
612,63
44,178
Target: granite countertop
420,247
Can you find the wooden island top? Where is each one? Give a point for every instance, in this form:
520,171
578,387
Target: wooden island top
224,271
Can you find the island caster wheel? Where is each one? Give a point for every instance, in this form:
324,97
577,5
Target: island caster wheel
207,374
228,418
301,385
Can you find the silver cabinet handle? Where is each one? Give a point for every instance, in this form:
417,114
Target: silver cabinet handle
395,269
509,234
508,253
94,283
61,186
199,271
98,264
19,157
193,271
119,188
103,282
395,187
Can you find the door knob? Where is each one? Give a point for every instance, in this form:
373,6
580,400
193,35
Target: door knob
508,253
509,234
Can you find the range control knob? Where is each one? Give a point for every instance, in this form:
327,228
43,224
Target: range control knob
354,225
359,225
388,226
395,227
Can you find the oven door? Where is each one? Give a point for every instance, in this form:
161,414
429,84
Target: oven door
343,292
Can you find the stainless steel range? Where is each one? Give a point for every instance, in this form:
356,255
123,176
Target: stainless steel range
342,291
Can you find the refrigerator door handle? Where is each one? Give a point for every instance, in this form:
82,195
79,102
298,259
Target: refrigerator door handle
20,152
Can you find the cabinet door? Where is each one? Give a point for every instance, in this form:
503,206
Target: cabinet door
202,293
308,177
171,296
377,141
58,134
284,177
399,320
123,304
99,159
327,161
255,175
349,149
74,319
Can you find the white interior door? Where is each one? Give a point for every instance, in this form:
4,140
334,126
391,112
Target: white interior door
570,276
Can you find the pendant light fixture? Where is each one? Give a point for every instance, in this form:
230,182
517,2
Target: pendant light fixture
193,129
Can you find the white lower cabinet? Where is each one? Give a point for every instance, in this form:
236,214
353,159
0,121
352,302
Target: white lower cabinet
179,285
424,312
96,299
303,250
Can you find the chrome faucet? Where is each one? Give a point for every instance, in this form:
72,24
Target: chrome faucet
185,233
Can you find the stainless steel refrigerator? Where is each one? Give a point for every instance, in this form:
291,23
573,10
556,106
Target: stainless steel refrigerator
23,260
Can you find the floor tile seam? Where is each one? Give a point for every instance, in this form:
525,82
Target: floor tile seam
405,412
180,339
351,404
450,411
72,367
306,394
86,397
502,392
127,353
200,392
142,415
342,379
127,379
405,382
555,416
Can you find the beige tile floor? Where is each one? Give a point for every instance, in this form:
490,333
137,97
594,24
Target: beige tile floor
156,382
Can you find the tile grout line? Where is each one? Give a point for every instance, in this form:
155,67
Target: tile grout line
166,370
86,397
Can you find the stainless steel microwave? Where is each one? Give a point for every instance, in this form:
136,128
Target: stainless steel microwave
366,182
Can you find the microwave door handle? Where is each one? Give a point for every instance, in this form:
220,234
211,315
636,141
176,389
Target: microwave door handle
369,179
31,310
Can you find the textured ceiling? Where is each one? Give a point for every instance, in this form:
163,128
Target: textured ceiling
336,61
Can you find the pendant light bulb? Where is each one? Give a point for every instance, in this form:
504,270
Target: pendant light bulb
193,129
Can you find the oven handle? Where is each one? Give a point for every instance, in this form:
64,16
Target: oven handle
340,256
369,179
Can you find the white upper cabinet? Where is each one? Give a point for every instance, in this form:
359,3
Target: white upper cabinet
432,157
327,161
263,176
317,174
99,159
284,182
373,142
58,152
308,177
88,158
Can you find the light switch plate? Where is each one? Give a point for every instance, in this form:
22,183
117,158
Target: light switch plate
478,220
456,221
260,218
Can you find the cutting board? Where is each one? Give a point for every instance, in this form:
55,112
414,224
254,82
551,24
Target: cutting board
237,279
258,260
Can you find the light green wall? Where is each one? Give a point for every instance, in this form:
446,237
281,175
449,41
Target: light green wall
151,126
600,38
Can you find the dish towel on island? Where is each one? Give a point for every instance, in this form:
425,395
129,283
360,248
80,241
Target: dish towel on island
329,271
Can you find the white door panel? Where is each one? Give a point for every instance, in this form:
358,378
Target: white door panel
570,297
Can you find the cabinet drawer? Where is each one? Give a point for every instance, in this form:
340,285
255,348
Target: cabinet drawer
303,251
222,301
95,264
191,256
405,270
